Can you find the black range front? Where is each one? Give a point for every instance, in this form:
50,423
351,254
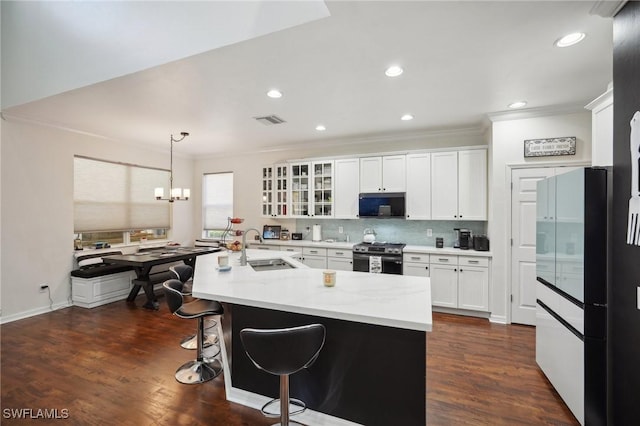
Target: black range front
384,258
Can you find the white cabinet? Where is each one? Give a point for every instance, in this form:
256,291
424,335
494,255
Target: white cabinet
274,190
415,264
312,189
293,249
346,188
459,185
322,189
460,282
473,284
266,247
267,191
472,184
383,174
418,197
314,257
340,260
300,189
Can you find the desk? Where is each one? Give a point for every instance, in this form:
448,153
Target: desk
143,262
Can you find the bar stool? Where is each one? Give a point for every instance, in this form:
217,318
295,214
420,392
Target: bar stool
283,352
202,369
184,273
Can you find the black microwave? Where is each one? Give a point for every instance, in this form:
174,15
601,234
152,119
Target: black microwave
383,204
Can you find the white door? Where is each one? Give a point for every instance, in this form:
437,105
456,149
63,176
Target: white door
371,174
444,285
473,288
444,186
394,173
523,249
419,186
347,188
472,184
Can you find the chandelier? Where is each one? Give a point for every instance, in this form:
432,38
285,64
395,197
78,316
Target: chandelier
174,193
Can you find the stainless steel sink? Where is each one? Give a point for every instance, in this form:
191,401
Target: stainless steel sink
269,264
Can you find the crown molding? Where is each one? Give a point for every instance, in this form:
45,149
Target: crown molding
607,8
537,112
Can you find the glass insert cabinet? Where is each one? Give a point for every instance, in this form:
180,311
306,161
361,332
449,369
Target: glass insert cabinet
302,189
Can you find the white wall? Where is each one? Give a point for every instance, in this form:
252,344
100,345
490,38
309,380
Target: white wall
37,209
507,149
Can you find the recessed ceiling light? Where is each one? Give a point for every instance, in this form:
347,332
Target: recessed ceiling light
518,104
320,128
406,117
275,94
393,71
570,39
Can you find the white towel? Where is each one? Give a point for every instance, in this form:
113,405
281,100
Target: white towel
375,264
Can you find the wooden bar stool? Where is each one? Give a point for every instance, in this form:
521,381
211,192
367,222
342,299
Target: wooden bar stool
283,352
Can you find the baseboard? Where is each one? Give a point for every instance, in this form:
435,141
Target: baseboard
464,312
34,312
498,319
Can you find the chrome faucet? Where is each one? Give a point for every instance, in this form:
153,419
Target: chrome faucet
243,255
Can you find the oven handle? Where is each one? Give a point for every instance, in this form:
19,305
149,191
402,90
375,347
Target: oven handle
396,259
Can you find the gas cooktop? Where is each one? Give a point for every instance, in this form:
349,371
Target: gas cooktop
379,247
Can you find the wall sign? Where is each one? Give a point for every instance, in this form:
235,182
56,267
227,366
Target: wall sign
550,147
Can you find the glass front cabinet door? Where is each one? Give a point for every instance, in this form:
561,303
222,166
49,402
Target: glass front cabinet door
300,189
323,189
267,191
280,183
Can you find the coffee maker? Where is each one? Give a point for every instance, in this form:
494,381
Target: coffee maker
465,239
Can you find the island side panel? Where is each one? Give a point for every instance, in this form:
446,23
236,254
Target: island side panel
369,374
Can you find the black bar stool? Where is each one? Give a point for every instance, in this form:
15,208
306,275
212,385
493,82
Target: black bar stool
201,369
283,352
184,273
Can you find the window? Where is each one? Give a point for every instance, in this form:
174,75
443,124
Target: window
115,203
217,203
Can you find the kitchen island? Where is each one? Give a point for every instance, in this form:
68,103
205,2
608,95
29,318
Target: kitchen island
372,369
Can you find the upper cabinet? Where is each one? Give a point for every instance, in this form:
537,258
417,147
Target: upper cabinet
383,174
346,188
312,186
602,129
267,191
418,186
459,185
274,190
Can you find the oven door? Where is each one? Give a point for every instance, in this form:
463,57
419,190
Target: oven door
392,265
360,262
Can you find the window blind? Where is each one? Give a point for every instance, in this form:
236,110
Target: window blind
117,197
217,200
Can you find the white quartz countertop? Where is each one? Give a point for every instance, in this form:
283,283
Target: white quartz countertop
410,248
398,301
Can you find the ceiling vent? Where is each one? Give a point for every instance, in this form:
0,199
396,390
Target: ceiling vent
270,120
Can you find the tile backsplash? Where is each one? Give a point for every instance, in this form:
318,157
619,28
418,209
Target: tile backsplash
390,229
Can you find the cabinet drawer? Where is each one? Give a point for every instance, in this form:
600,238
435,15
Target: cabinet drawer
312,251
291,249
443,259
265,247
415,257
473,261
340,253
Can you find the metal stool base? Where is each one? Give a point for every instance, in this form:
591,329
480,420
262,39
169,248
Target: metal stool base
209,353
191,342
293,402
194,372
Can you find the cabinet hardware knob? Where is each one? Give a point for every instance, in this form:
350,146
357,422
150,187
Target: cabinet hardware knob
455,270
460,269
426,267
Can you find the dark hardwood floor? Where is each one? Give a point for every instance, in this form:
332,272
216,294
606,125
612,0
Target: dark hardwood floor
114,365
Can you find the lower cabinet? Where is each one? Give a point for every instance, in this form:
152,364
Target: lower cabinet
92,292
314,257
340,260
459,282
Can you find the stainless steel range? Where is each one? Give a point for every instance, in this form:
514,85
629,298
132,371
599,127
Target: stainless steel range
385,258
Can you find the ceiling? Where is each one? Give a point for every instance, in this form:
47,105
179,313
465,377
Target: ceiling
462,61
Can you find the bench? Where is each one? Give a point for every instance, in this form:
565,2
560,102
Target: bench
96,283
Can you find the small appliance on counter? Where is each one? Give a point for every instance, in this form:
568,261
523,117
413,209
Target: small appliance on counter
271,232
465,239
480,243
284,234
439,242
296,236
369,235
316,233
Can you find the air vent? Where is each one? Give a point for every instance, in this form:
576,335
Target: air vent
270,120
